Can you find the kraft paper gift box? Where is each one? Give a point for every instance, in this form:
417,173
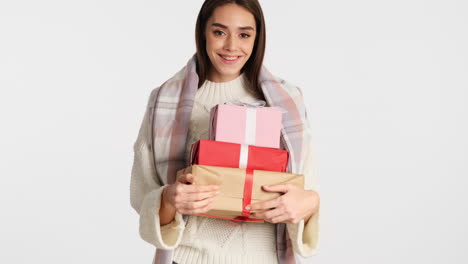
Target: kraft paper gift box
232,155
244,124
239,188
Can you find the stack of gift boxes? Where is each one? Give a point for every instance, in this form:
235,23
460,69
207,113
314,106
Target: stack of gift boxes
243,154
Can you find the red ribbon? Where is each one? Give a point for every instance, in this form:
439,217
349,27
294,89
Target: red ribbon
239,218
246,200
247,192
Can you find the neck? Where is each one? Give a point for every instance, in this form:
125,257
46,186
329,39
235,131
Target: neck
218,78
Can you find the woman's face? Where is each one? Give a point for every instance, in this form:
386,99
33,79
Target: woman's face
230,37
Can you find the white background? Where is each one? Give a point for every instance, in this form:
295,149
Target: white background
386,89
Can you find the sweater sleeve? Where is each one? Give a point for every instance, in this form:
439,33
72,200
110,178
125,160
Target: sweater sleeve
146,190
305,238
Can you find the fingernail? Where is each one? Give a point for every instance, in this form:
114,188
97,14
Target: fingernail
217,193
266,186
247,207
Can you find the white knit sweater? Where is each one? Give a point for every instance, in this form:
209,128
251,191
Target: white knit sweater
214,241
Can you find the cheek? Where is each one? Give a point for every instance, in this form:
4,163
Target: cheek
208,45
248,47
212,44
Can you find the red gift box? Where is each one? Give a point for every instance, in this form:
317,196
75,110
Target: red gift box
232,155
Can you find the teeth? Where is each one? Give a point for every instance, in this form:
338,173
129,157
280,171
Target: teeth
229,58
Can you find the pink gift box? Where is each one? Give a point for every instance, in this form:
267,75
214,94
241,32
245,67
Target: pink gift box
257,126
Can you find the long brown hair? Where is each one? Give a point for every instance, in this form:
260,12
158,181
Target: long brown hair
253,66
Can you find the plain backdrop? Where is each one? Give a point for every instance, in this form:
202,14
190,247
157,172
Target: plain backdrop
385,84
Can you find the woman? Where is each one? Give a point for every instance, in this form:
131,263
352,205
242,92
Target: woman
230,38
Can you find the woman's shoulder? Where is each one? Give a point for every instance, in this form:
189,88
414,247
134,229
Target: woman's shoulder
177,79
292,89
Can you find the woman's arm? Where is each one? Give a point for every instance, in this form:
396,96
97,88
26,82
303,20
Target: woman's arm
146,191
305,234
161,206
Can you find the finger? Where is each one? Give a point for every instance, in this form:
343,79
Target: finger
199,210
268,215
262,206
192,197
279,219
200,188
283,188
197,204
186,178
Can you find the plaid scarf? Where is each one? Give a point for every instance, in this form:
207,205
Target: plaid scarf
171,119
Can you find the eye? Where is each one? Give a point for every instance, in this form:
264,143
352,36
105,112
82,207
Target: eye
244,35
218,32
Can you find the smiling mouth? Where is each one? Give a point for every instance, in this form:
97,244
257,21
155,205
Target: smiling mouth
229,59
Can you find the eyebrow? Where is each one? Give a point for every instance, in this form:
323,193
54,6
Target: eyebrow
223,26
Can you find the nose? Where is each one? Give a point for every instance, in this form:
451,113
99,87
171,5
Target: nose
230,43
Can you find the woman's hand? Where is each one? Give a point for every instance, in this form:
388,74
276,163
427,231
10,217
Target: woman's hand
186,198
294,205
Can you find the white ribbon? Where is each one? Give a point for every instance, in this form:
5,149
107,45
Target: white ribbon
244,156
255,104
